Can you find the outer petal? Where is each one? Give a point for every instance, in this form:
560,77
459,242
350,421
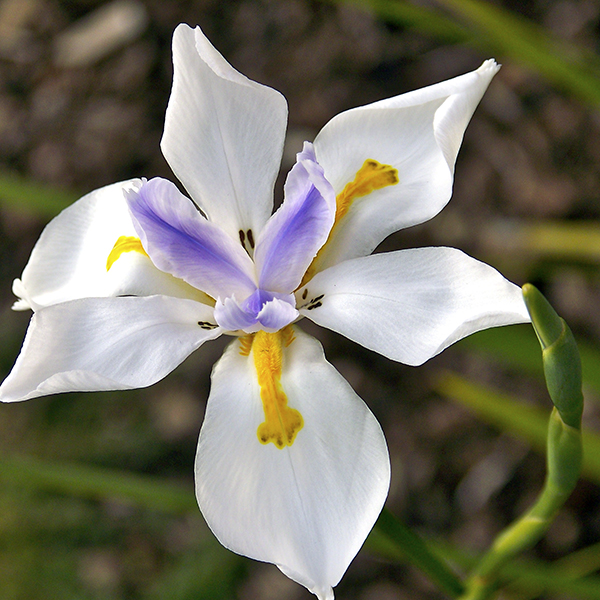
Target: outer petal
411,304
293,235
69,259
418,133
182,242
223,135
308,507
106,344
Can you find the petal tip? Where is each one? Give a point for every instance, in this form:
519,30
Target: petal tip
489,68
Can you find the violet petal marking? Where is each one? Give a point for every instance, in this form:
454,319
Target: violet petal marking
293,235
276,314
230,316
180,241
261,310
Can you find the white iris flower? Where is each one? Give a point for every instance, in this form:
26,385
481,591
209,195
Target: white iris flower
292,468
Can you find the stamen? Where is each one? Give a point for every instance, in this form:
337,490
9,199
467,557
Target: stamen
282,423
250,236
124,244
372,176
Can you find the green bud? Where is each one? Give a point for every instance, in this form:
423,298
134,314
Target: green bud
562,364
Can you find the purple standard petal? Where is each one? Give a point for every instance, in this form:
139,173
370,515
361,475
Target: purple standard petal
293,235
230,316
180,241
261,310
276,314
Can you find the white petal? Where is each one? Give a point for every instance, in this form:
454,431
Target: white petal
411,304
106,344
307,507
223,135
69,261
419,134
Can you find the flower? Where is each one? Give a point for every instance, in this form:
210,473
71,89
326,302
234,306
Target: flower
292,468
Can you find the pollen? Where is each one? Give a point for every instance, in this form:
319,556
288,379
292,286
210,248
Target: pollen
124,244
282,423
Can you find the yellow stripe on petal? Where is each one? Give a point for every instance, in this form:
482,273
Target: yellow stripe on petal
372,176
282,423
124,244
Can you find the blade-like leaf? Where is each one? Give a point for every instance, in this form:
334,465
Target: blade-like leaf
515,416
516,346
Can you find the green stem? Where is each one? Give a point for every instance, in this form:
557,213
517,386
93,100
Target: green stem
562,369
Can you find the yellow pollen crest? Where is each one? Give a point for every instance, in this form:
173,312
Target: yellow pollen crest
372,176
282,423
124,244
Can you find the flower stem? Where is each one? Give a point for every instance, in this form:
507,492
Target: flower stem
562,369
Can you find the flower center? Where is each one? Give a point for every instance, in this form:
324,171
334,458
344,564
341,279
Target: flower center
282,423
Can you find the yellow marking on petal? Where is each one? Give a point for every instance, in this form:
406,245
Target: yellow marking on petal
124,244
246,344
282,423
372,176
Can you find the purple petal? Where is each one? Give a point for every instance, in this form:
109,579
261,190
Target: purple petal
276,314
230,316
261,310
293,235
180,241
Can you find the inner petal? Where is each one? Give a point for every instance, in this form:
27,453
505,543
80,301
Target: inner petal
262,310
293,235
180,241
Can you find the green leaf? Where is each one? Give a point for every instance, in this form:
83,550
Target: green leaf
517,346
210,573
545,239
97,483
512,36
500,33
514,415
421,18
389,528
26,197
389,539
